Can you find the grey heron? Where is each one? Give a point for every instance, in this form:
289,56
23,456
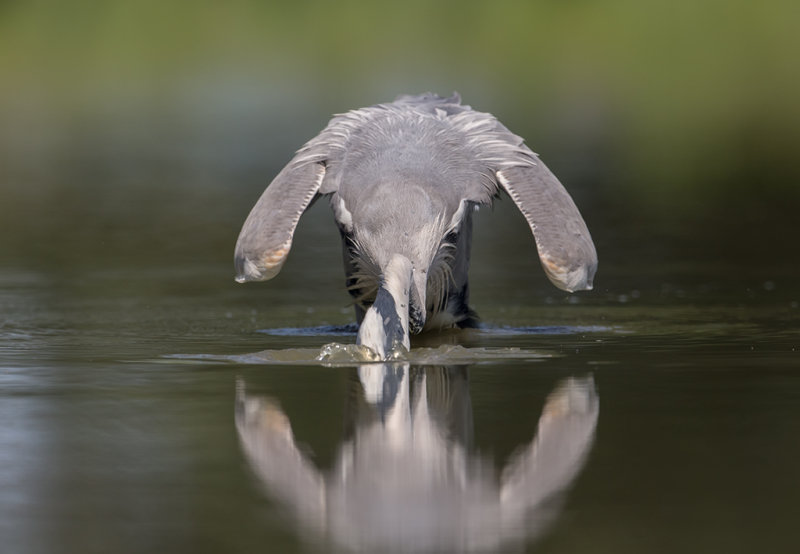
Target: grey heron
403,179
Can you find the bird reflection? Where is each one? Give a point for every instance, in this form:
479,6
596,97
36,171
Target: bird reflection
407,477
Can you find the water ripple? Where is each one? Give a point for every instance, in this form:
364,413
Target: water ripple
335,354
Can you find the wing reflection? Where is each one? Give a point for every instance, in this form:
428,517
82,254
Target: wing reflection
407,477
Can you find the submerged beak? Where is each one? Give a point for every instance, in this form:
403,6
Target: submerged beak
416,308
384,328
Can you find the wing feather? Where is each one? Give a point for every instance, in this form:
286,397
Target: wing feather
565,246
266,236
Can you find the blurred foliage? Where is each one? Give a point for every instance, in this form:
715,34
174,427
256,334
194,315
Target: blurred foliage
681,103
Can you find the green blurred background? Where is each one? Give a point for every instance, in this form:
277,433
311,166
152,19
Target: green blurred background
156,119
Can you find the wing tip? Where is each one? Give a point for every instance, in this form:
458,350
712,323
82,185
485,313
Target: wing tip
260,268
570,278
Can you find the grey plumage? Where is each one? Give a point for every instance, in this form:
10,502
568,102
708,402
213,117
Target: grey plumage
403,179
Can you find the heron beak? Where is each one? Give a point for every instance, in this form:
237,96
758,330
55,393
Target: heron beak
384,328
416,310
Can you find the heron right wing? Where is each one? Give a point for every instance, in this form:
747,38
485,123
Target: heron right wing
266,236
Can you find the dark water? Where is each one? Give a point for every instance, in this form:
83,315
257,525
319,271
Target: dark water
150,404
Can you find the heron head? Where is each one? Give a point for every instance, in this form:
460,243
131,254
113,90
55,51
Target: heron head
384,328
404,258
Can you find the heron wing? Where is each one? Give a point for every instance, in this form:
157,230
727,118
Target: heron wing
266,236
565,246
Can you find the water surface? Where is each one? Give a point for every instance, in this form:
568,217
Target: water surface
151,404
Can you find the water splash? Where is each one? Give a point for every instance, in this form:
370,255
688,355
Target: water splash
339,354
346,353
336,354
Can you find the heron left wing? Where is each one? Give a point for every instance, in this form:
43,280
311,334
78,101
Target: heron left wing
266,235
565,246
